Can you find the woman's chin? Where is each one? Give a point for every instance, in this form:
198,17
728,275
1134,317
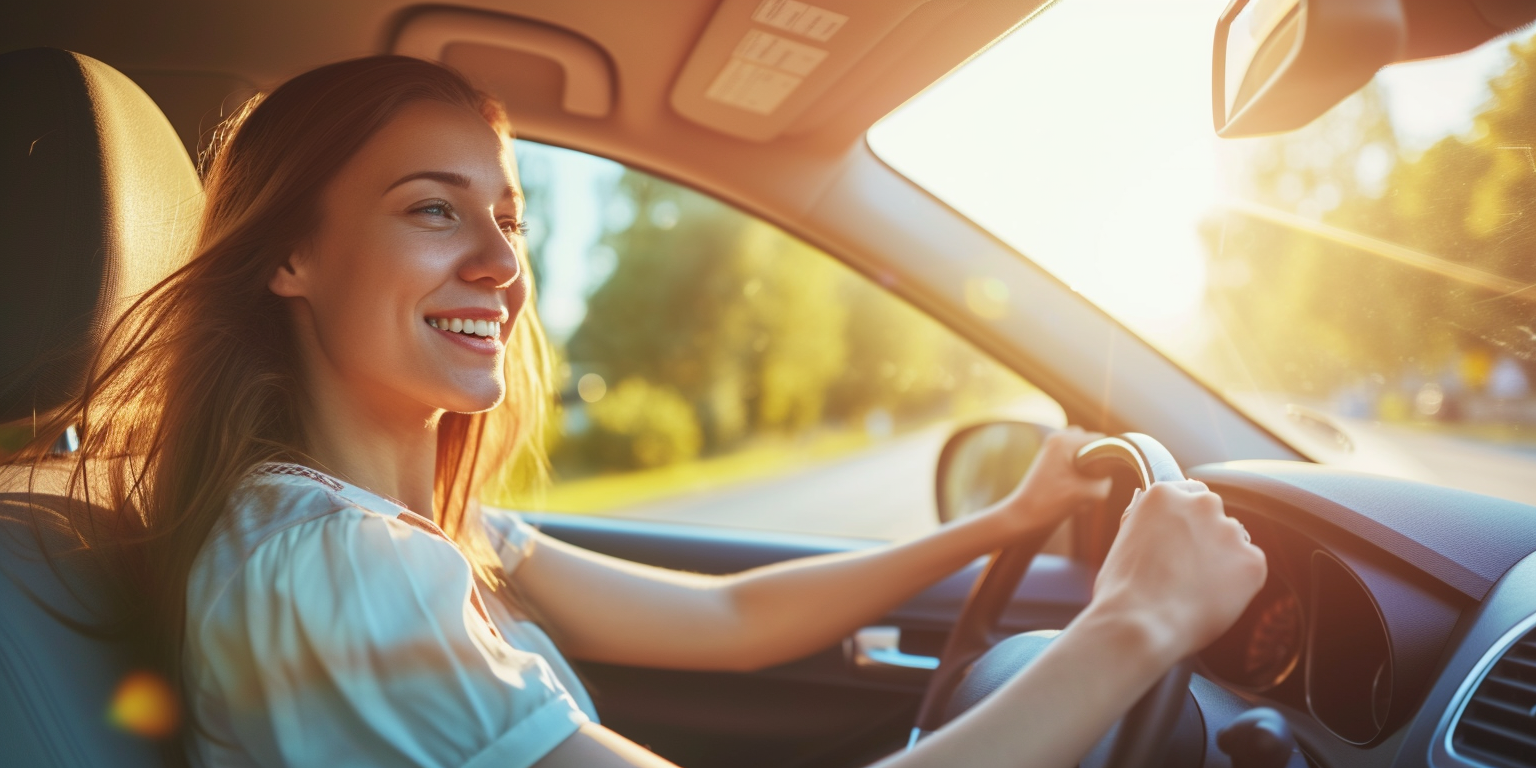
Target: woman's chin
472,401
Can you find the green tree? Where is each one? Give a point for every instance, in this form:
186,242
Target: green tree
757,333
1326,312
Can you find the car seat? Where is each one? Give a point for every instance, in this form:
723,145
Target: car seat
98,202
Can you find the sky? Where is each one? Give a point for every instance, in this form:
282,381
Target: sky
1084,139
1431,99
569,229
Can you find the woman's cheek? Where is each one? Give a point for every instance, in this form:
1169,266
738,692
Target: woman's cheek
517,296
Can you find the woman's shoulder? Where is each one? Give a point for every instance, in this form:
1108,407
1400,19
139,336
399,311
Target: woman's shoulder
274,496
345,627
287,506
510,535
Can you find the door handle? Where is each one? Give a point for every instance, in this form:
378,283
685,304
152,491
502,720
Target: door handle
877,651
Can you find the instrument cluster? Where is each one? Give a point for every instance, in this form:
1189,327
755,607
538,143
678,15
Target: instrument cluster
1313,638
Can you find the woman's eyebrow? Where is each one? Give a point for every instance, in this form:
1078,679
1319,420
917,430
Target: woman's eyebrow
452,179
446,177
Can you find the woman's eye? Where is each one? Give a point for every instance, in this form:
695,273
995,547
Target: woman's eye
435,208
514,226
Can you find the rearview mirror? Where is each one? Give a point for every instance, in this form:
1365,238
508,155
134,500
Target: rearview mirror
982,463
1280,64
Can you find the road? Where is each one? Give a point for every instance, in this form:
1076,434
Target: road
1423,453
887,492
1496,469
883,493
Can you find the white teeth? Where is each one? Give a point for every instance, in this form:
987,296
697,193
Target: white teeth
484,328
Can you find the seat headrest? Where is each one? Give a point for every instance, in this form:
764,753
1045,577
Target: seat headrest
98,202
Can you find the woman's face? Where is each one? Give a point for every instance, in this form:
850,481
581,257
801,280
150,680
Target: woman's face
409,288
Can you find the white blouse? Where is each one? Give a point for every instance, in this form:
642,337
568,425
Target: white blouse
329,626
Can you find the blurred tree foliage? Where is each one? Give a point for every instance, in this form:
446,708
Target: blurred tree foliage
1327,315
643,424
715,329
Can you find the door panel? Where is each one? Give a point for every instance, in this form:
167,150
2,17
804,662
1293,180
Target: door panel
817,712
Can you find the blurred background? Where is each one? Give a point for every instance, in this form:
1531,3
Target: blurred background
714,369
1363,286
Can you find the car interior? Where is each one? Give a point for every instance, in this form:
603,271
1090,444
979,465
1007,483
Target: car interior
1398,625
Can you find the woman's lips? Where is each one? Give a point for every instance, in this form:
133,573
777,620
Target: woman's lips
486,345
481,330
470,326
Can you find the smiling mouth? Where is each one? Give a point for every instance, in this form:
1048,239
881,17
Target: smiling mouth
481,328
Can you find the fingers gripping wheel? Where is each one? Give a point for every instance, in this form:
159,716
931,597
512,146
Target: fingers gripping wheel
1144,733
1145,456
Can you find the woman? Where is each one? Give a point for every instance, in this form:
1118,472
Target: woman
292,430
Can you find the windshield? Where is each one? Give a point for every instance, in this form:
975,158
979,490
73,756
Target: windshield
1363,286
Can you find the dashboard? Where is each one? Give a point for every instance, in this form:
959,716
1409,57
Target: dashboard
1387,605
1390,606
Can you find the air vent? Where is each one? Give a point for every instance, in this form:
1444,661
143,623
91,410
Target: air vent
1498,726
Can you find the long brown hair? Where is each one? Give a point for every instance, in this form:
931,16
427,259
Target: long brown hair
198,383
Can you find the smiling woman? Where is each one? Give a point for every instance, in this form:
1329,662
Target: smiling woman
306,334
437,245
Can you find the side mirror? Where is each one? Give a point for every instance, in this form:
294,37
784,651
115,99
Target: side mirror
1280,64
982,463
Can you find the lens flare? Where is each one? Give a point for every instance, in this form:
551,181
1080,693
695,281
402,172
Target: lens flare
145,705
987,297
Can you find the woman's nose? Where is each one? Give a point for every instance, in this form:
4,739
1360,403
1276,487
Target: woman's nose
495,261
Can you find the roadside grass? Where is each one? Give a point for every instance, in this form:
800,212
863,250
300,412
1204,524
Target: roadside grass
762,459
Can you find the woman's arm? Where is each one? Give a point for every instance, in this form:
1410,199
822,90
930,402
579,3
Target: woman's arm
1106,659
1178,575
615,611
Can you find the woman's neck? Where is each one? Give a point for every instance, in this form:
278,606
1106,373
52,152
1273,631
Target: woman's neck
371,441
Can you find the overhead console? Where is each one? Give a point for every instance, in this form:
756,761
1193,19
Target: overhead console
761,63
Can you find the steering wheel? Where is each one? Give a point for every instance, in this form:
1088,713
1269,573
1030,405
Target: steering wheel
1144,734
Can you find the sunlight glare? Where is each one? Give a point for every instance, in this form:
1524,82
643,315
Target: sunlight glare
1108,193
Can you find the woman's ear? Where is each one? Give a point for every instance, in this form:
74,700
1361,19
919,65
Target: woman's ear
288,280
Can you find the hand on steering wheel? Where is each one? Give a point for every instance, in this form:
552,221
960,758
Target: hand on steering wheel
1053,489
1184,517
1179,561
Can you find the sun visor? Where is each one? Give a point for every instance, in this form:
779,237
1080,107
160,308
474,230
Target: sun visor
582,67
761,63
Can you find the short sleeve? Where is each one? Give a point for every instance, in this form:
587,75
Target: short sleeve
512,537
351,640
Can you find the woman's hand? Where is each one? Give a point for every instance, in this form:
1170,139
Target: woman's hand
1180,569
1053,488
1178,575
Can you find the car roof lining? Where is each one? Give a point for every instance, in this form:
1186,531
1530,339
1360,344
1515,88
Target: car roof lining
188,45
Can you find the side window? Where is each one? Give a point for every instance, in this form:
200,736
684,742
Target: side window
717,370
